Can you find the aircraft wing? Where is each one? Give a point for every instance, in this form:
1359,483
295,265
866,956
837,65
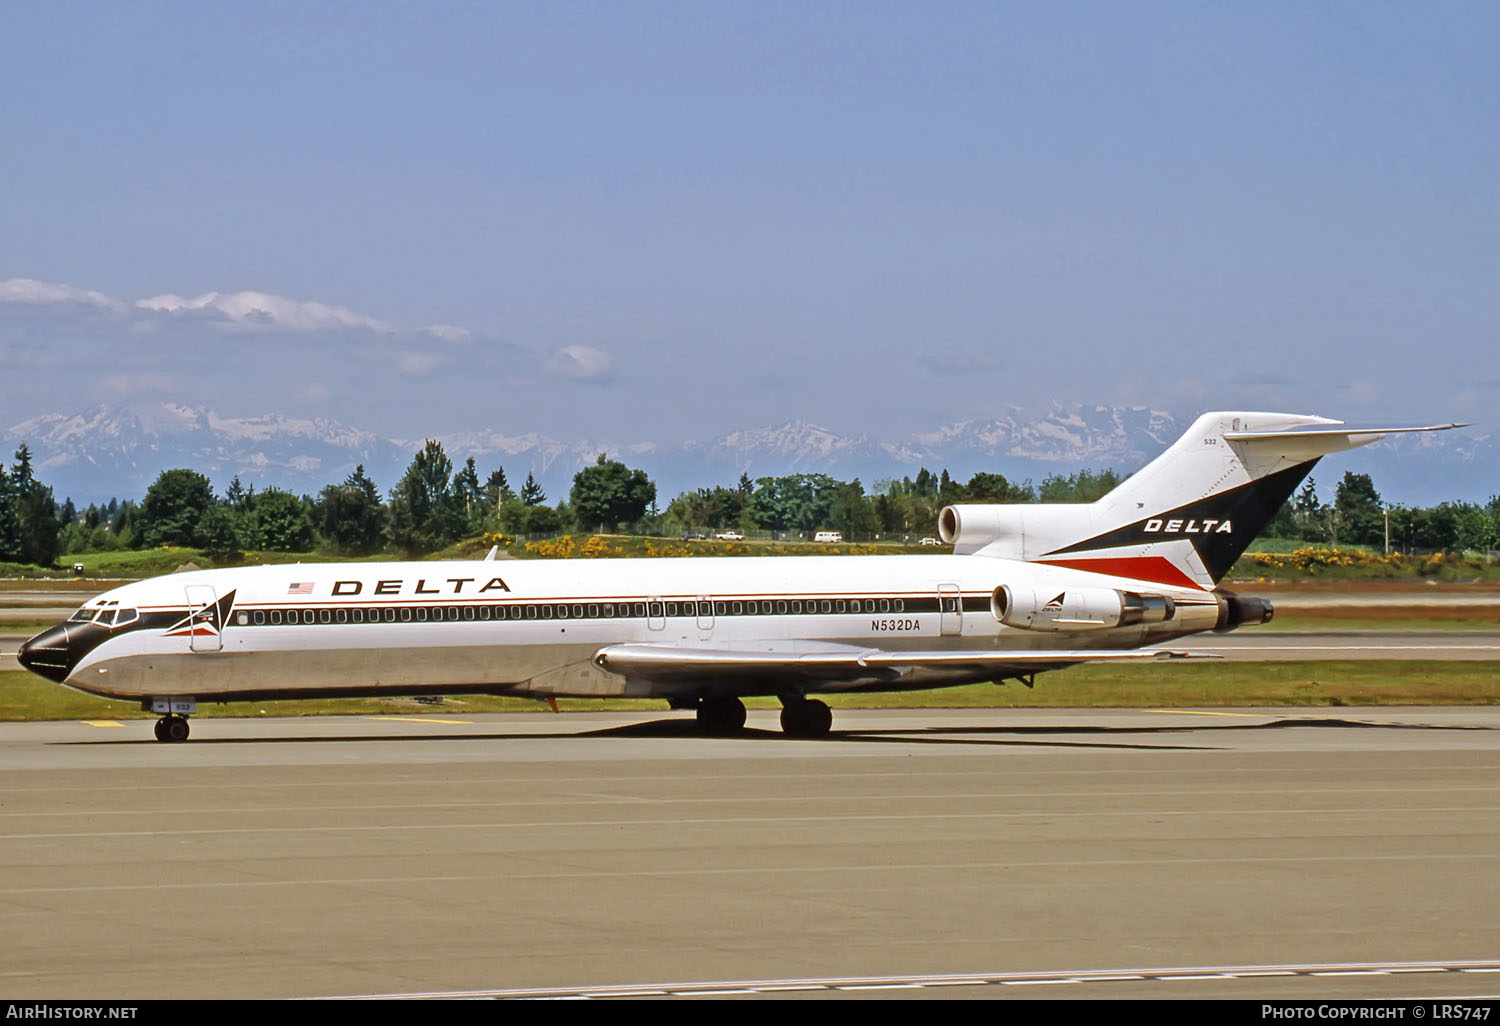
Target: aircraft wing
849,663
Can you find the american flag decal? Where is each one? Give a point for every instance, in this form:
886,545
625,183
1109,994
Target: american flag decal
300,589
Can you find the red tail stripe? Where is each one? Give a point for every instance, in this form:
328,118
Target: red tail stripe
1157,569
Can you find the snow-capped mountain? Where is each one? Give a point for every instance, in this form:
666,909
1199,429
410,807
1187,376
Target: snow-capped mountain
118,451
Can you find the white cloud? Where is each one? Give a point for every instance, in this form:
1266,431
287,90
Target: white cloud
263,310
38,293
449,332
416,365
581,363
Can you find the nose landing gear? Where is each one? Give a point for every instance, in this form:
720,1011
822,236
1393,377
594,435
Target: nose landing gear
172,728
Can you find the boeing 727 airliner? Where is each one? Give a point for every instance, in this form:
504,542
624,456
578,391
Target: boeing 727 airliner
1028,588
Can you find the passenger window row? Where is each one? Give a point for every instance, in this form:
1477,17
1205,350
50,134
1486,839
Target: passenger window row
575,611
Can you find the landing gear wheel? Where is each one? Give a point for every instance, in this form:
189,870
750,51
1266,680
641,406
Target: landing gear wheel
721,715
172,728
806,717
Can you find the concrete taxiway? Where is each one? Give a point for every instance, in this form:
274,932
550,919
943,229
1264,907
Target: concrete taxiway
1146,853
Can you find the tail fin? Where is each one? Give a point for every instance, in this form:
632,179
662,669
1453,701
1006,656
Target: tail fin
1186,516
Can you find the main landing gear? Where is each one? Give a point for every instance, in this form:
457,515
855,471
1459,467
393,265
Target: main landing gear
805,717
172,728
721,715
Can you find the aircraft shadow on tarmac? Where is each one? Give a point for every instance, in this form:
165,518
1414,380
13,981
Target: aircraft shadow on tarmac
998,736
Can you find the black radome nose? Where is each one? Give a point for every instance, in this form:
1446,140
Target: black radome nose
47,653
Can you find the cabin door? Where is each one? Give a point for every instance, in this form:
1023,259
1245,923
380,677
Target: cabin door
950,609
203,619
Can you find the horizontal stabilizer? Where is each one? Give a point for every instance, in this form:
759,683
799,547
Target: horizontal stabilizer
1343,436
1341,429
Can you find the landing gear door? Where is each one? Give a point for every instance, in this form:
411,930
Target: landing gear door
203,619
950,609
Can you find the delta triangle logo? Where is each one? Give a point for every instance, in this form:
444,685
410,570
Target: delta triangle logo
203,621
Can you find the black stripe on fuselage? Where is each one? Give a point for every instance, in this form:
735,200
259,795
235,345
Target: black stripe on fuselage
615,609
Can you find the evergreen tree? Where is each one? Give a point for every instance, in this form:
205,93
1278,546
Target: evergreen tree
238,497
122,523
1307,512
351,516
497,489
466,486
531,492
1361,519
426,513
10,519
34,513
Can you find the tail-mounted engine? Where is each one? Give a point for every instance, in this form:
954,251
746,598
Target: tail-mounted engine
1077,609
1015,530
1241,610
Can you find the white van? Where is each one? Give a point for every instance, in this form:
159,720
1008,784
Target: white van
830,537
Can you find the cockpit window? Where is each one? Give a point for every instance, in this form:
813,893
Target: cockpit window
83,615
125,616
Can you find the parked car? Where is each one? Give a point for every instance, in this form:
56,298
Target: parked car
929,541
692,535
730,536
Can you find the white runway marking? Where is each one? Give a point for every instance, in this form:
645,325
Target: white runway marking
1176,974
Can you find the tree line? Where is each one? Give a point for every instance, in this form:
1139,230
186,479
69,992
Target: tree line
436,504
1358,516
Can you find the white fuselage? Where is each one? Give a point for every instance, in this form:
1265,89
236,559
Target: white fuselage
534,627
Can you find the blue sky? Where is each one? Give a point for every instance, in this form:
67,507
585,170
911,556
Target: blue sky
636,221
